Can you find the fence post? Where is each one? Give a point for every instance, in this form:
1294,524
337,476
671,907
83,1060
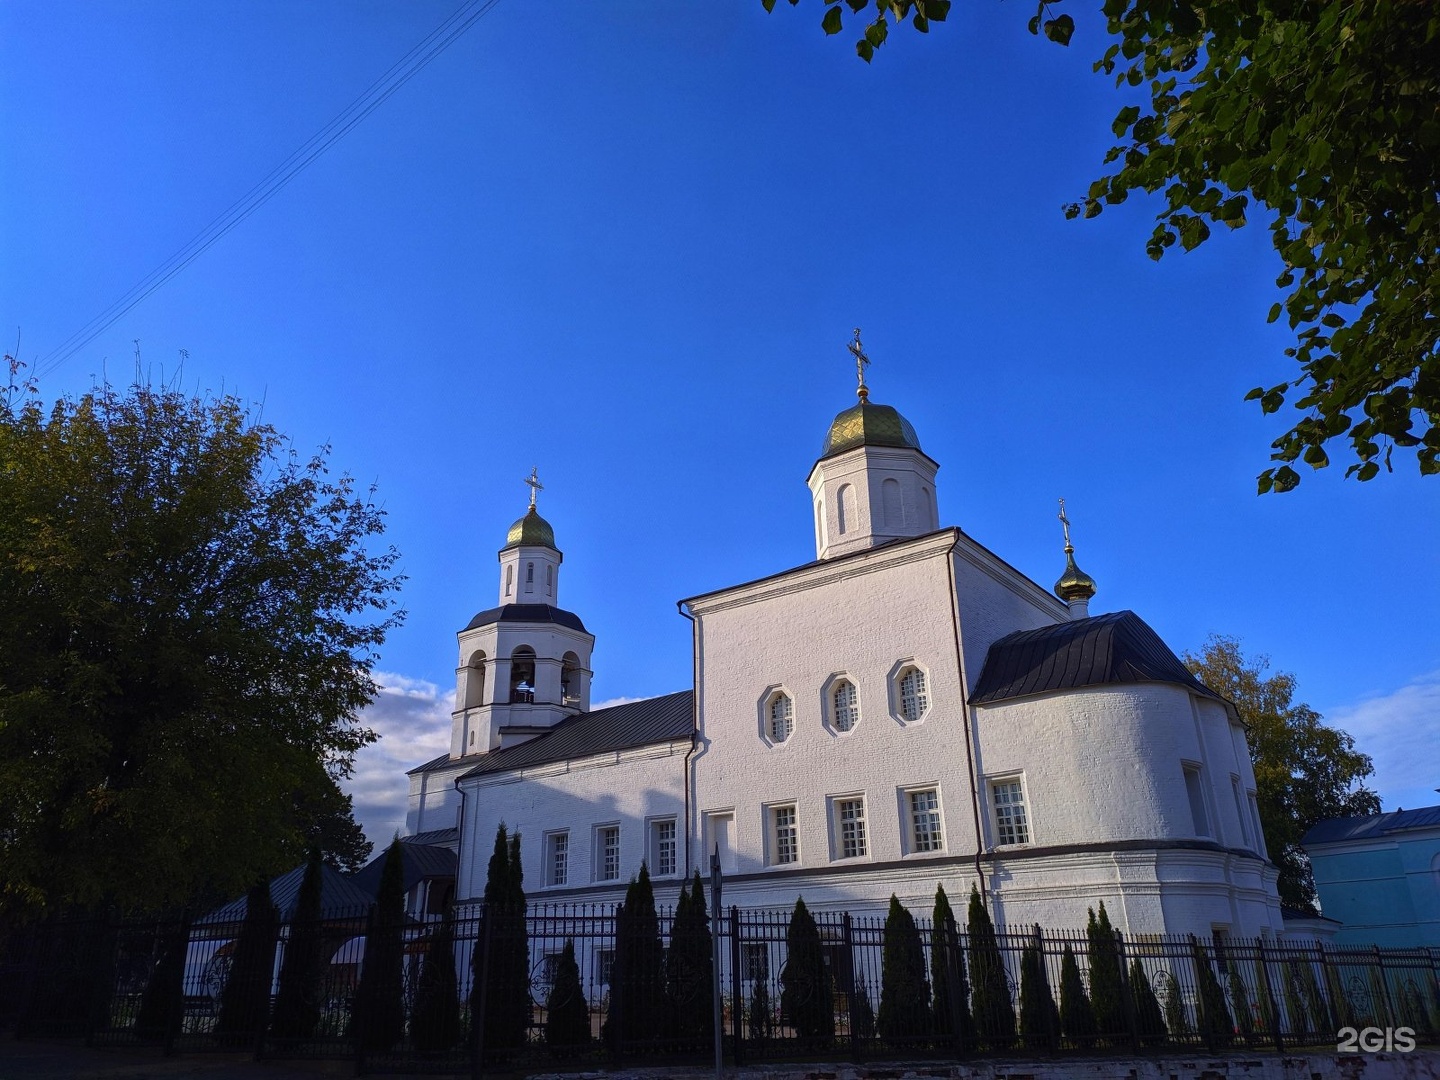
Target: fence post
1127,998
737,997
1266,989
1434,990
849,939
1390,1014
480,975
355,1000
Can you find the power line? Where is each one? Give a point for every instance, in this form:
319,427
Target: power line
375,95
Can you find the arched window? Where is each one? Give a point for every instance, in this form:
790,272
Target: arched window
549,579
529,577
892,509
522,675
475,681
844,705
844,509
782,718
914,699
509,578
570,679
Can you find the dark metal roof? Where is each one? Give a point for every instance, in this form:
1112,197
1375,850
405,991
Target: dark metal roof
339,897
620,727
1104,650
528,613
433,836
417,861
1372,825
431,765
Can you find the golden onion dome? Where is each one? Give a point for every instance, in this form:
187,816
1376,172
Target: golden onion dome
1074,584
530,531
868,424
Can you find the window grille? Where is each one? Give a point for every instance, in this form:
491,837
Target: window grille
787,846
782,718
851,816
925,821
610,854
1011,823
914,699
846,704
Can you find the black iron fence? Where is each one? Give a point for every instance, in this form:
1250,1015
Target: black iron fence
579,986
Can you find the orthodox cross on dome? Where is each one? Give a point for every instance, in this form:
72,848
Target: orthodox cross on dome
861,361
1065,522
535,486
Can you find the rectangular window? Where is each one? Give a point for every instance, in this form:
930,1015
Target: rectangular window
756,959
1240,809
784,836
1255,821
850,827
607,844
557,858
1012,825
662,847
604,965
925,820
1196,794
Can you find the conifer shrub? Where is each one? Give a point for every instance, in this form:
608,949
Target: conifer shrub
302,971
378,1022
759,1025
1295,1000
639,978
1077,1017
904,990
1039,1018
1107,991
567,1014
1266,1019
806,993
951,997
245,1000
690,968
1212,1016
993,1011
862,1013
501,968
1149,1017
435,1019
1240,1001
1173,1003
1321,1015
163,1003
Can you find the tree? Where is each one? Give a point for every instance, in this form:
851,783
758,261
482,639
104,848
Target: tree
378,1022
1077,1017
689,967
162,1006
1149,1017
1211,1012
435,1019
245,999
1174,1007
326,816
567,1015
502,967
904,990
1320,116
947,973
1305,772
1039,1018
990,992
806,993
302,971
189,614
1107,992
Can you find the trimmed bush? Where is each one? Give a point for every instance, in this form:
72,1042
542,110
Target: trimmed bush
639,978
1149,1017
245,1000
435,1020
163,1004
302,971
1107,991
1174,1008
992,1008
378,1022
504,974
1077,1017
1213,1017
567,1014
951,996
690,968
806,995
1039,1018
904,990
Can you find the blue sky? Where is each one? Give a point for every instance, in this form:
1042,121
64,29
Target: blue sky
626,242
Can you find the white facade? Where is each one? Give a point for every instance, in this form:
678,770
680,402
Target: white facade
842,749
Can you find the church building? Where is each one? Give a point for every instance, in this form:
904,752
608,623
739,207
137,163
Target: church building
906,710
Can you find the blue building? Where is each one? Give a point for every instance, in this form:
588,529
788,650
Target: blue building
1380,876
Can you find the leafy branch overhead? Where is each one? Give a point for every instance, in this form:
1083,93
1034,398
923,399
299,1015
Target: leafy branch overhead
1324,118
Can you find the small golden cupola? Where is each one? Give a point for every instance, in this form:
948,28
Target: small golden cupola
1075,586
530,561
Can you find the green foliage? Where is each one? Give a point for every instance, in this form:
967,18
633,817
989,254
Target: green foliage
1216,1026
1305,772
189,615
806,997
567,1014
639,979
1077,1017
378,1022
162,1006
904,990
1107,991
1295,1007
1319,117
1174,1006
920,13
862,1013
689,967
302,971
245,1000
993,1011
1039,1018
1149,1018
502,968
435,1018
759,1025
947,973
1264,1000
